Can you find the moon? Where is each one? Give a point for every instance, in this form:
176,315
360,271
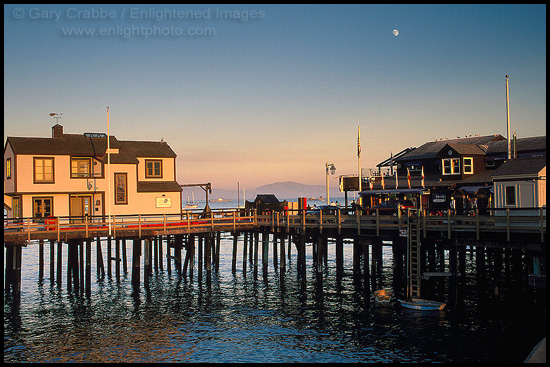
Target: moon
395,32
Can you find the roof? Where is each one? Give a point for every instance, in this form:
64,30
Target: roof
432,149
158,186
267,198
536,143
81,145
520,167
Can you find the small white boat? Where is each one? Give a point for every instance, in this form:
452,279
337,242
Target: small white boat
190,204
422,304
382,296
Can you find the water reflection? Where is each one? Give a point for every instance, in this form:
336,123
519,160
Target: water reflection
276,317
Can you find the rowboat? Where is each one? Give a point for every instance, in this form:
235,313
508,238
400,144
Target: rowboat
382,296
422,304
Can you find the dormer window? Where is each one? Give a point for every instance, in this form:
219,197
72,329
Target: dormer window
468,164
451,166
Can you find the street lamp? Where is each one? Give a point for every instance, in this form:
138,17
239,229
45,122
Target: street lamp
329,167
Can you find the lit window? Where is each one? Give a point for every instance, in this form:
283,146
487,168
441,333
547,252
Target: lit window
43,170
80,167
451,166
8,168
468,163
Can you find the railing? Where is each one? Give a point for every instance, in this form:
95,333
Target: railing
447,223
86,226
506,221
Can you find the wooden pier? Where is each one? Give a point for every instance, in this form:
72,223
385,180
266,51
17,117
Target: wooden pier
199,233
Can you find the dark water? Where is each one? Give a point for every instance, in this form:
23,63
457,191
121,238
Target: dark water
273,319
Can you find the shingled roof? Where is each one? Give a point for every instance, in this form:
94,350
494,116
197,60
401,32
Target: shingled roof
81,145
520,167
431,149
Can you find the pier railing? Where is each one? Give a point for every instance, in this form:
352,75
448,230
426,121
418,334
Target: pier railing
63,227
502,223
448,224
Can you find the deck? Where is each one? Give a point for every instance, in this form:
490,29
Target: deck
499,225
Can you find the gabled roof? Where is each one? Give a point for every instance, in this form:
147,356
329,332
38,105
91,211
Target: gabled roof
267,198
81,145
466,148
432,149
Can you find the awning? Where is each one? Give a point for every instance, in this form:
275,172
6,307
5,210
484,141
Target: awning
394,191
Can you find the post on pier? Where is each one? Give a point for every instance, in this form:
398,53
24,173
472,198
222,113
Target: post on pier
118,244
40,260
13,270
245,248
59,263
265,247
200,259
275,255
99,259
124,257
256,244
282,255
52,262
88,267
217,252
339,256
81,262
234,257
109,256
136,255
147,257
208,258
189,257
160,242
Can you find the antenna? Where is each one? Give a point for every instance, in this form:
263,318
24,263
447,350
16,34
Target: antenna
56,116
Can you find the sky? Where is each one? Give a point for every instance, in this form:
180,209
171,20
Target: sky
257,94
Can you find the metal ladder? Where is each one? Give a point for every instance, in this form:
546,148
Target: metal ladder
413,256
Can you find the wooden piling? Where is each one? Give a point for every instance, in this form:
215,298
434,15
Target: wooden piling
283,257
124,258
118,243
136,254
146,261
109,256
208,258
99,259
265,248
52,262
234,256
339,256
256,244
59,262
366,274
40,260
88,268
245,248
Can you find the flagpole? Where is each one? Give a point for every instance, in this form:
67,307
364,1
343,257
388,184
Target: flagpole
359,163
108,173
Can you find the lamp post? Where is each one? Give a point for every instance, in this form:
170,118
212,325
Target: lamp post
332,168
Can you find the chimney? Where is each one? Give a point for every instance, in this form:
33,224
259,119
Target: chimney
57,131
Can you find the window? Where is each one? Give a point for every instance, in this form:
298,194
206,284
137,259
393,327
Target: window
153,168
80,167
8,168
43,170
510,195
451,166
42,207
468,163
121,188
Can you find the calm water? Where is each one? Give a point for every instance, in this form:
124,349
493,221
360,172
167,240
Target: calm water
242,319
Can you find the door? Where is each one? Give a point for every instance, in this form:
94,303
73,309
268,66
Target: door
79,207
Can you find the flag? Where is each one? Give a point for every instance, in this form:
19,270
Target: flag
423,177
408,177
396,180
359,141
370,180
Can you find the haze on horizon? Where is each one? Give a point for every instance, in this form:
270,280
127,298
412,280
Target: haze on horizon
270,93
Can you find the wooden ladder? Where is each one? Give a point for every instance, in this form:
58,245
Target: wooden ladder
413,256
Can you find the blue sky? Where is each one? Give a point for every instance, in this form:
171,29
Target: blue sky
270,93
